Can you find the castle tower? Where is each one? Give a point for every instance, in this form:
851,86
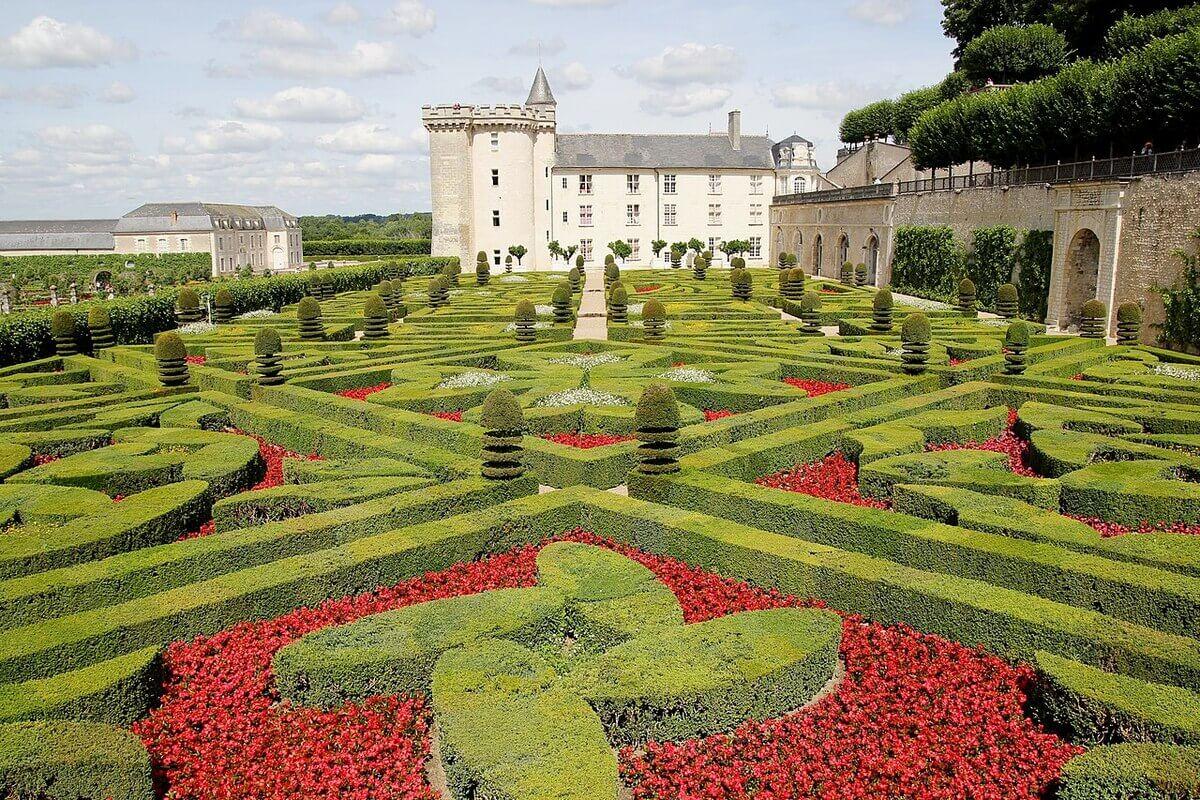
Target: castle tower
490,177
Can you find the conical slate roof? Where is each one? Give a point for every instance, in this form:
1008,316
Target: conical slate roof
540,94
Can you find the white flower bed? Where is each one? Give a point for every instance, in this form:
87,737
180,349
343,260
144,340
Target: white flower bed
577,397
580,361
688,375
1177,372
256,314
197,327
544,311
637,323
512,279
473,380
537,326
635,309
923,304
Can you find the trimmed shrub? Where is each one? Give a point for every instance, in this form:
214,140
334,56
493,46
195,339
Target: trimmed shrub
483,270
367,247
439,291
699,267
223,306
612,274
525,320
1093,318
928,261
311,324
1132,33
737,262
860,275
966,298
654,320
1129,323
741,283
1034,257
810,314
269,363
375,318
62,328
171,355
1016,342
656,424
914,342
1009,54
992,260
187,306
881,312
618,304
875,121
561,300
504,426
72,760
1006,301
575,278
100,328
1133,772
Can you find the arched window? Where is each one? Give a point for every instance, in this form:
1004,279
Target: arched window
843,251
799,184
872,260
818,255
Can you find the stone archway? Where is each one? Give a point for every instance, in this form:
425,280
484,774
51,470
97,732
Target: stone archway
872,260
843,250
1081,274
818,254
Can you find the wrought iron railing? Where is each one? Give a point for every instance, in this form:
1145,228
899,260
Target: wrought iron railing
868,192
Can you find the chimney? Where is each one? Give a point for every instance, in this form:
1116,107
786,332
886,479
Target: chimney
735,129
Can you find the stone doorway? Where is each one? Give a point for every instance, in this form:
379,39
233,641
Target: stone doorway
872,260
1081,274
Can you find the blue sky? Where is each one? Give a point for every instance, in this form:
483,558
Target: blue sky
314,105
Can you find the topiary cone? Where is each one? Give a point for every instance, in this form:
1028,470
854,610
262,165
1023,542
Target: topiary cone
311,325
375,318
1006,300
100,327
483,272
171,355
384,290
700,268
525,320
1129,324
612,274
268,361
62,330
223,306
860,275
187,306
326,286
810,314
792,284
504,427
618,304
881,312
740,283
1016,342
574,278
847,274
1092,319
654,320
656,425
915,335
561,301
966,298
439,291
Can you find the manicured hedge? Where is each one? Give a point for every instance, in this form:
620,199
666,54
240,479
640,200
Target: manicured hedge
1133,772
118,692
927,261
367,247
72,761
165,268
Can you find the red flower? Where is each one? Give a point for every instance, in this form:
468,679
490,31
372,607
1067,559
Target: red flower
815,388
449,416
1009,443
41,458
710,414
274,455
832,478
586,441
196,359
644,289
207,529
1110,529
362,394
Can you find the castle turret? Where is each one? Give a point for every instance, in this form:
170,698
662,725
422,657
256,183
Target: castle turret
540,95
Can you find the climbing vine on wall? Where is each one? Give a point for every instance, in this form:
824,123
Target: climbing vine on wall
1181,302
1033,270
928,261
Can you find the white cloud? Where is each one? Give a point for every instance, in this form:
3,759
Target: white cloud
118,92
575,3
225,136
682,102
374,162
499,85
827,96
412,17
51,95
364,59
343,14
270,27
888,13
96,139
539,47
573,76
370,138
46,42
687,63
303,104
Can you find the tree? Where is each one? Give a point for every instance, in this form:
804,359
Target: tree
963,20
570,252
555,249
518,251
735,247
911,105
1014,54
658,245
621,249
865,124
695,245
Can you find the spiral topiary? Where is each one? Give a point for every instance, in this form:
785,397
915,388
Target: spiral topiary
384,290
325,283
503,424
575,278
741,283
656,425
579,262
171,355
1016,342
439,291
699,268
187,306
525,320
62,330
561,300
737,262
100,327
915,335
612,274
792,286
860,275
268,361
1092,323
810,314
618,303
881,312
1006,300
966,298
483,270
782,261
847,274
375,318
311,326
1129,324
654,320
223,306
609,259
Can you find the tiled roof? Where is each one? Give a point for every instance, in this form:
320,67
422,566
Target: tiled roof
57,234
662,150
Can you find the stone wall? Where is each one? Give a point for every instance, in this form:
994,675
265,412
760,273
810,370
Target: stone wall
1022,207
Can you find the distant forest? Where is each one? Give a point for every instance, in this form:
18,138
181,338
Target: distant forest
418,225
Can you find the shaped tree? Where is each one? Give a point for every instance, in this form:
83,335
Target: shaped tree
1129,323
375,318
618,304
268,348
881,312
504,426
62,330
171,356
187,306
525,320
1016,342
654,320
915,335
810,314
1006,300
311,326
1093,316
656,425
561,300
966,298
100,327
223,306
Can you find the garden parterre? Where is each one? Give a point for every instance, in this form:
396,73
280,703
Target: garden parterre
166,546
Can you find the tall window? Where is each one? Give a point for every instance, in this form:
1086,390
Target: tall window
633,214
564,218
714,213
669,184
564,181
183,245
585,184
496,218
633,184
669,214
756,247
585,216
495,177
756,184
635,248
496,257
162,244
585,249
181,241
714,244
756,214
495,142
799,185
714,184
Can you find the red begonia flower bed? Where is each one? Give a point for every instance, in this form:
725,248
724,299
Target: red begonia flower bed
915,715
644,289
834,477
1008,443
196,359
815,388
207,529
274,455
715,414
449,416
364,393
586,441
1110,529
41,458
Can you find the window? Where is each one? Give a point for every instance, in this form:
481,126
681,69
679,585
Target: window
633,214
564,181
162,244
635,248
585,216
564,218
756,184
495,177
141,245
669,184
496,218
669,214
585,184
496,257
633,184
585,249
276,239
183,245
756,214
756,247
714,213
799,185
495,142
547,203
714,244
714,184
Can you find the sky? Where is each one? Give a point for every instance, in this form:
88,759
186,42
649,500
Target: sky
315,105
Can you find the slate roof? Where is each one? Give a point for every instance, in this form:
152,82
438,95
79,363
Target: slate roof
539,93
651,151
159,217
57,234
